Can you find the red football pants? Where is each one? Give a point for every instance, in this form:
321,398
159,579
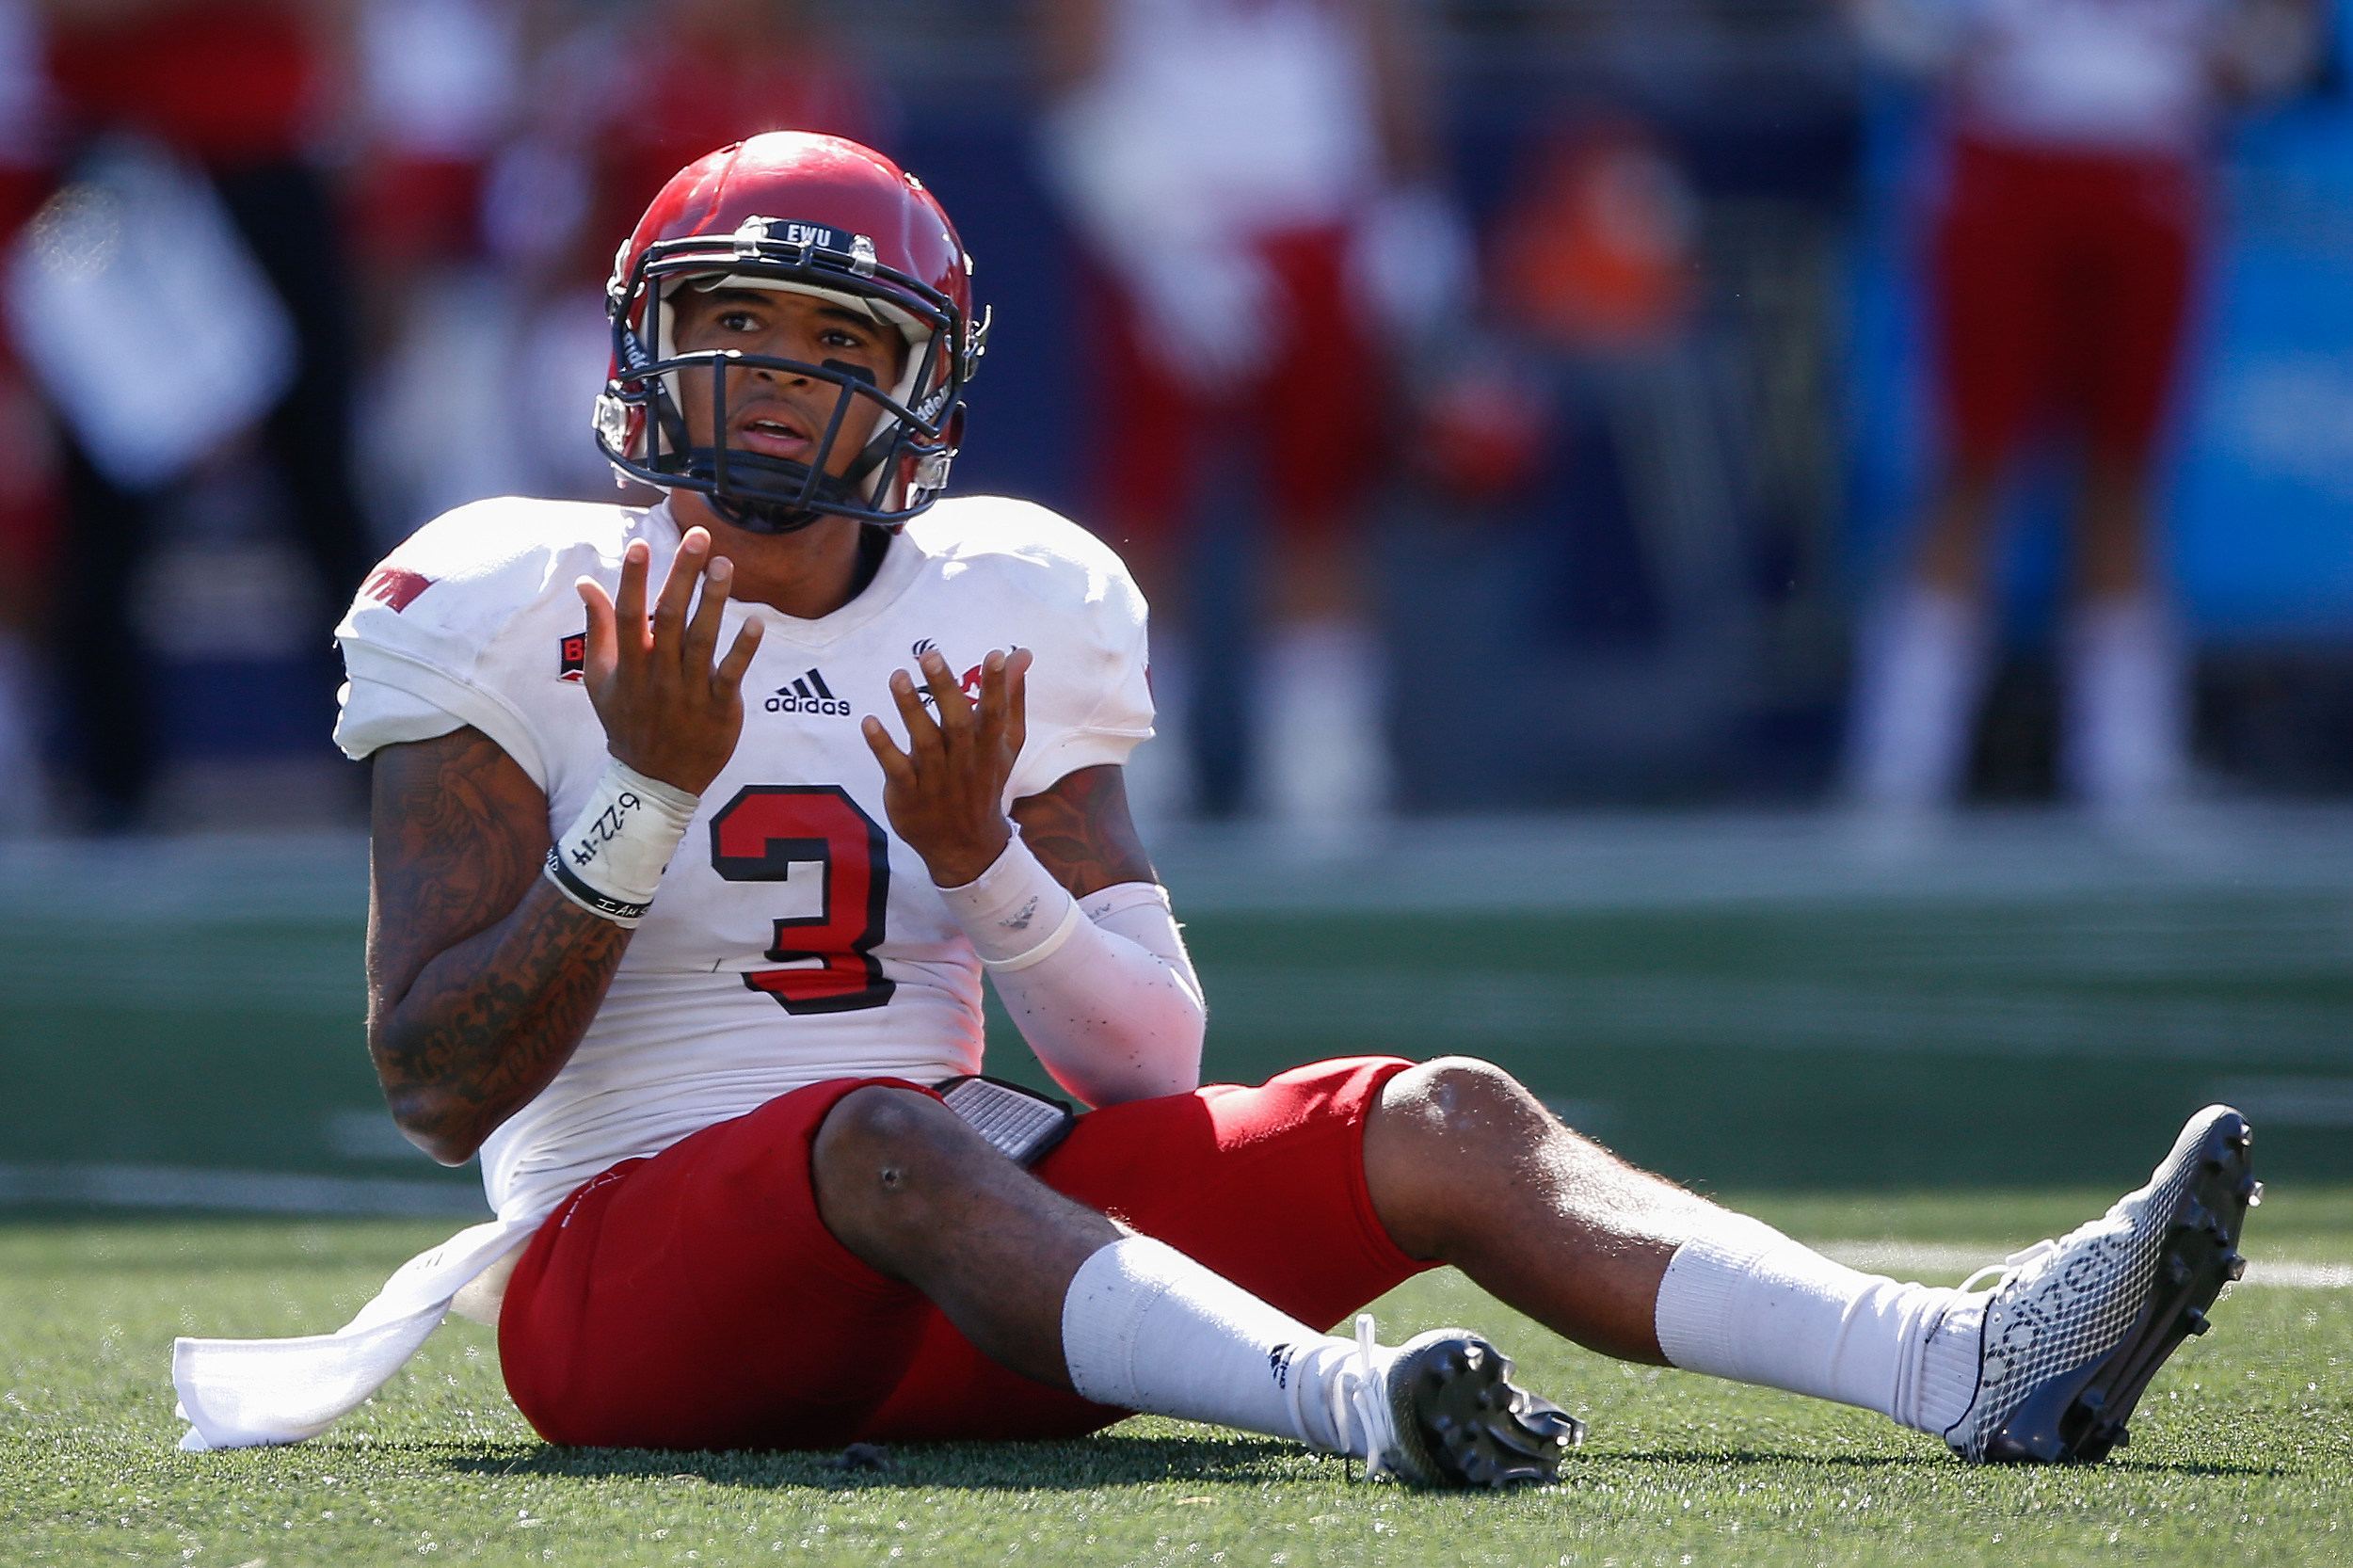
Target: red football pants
696,1301
2062,287
1312,416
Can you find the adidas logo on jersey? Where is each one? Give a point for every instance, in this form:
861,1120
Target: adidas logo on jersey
808,694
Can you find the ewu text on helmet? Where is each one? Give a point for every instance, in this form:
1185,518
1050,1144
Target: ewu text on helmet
802,214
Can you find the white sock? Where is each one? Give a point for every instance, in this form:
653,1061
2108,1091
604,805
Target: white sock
1921,671
2126,745
1323,749
1144,1327
1747,1302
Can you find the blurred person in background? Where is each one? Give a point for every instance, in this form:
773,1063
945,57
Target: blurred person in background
1593,276
27,499
1588,267
699,73
1596,254
617,97
1257,184
202,113
27,548
439,86
2062,266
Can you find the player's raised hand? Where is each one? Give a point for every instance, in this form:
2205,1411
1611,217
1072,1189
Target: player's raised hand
668,710
945,794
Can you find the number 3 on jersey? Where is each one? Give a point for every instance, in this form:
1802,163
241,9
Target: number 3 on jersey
759,837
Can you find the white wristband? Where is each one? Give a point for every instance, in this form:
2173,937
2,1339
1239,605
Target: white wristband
1016,913
611,861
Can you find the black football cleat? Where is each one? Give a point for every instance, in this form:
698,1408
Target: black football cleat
1445,1414
2075,1328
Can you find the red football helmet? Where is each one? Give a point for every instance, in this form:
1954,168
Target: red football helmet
806,214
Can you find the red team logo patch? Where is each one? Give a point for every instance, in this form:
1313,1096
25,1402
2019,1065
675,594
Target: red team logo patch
394,587
970,682
572,657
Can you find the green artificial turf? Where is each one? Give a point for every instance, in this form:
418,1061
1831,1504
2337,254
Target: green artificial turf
2242,1451
197,1005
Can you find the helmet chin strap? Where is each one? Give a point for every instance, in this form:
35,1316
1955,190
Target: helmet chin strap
762,517
769,514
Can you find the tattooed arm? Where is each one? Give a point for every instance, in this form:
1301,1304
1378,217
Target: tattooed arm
1080,831
482,978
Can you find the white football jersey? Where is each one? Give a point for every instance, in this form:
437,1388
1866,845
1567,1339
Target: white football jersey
2123,77
796,938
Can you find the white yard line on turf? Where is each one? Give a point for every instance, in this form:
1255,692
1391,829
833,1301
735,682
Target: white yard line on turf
1911,1259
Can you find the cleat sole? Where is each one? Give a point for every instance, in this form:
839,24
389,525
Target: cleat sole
2078,1417
1465,1424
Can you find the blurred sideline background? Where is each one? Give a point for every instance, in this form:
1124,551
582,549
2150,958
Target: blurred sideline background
1509,694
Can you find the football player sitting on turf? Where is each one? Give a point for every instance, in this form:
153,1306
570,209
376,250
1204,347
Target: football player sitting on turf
679,918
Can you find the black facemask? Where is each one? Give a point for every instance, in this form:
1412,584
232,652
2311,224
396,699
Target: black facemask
767,479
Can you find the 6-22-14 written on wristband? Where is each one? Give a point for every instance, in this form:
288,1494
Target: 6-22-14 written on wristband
610,860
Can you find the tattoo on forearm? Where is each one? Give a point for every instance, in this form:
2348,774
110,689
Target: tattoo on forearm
1080,832
482,977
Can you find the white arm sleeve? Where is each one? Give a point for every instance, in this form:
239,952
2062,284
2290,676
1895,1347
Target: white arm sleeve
1115,1012
1101,987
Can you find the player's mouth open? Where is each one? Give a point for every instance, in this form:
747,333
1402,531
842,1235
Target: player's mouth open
775,438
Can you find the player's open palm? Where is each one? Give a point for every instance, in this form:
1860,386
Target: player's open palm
669,710
945,794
